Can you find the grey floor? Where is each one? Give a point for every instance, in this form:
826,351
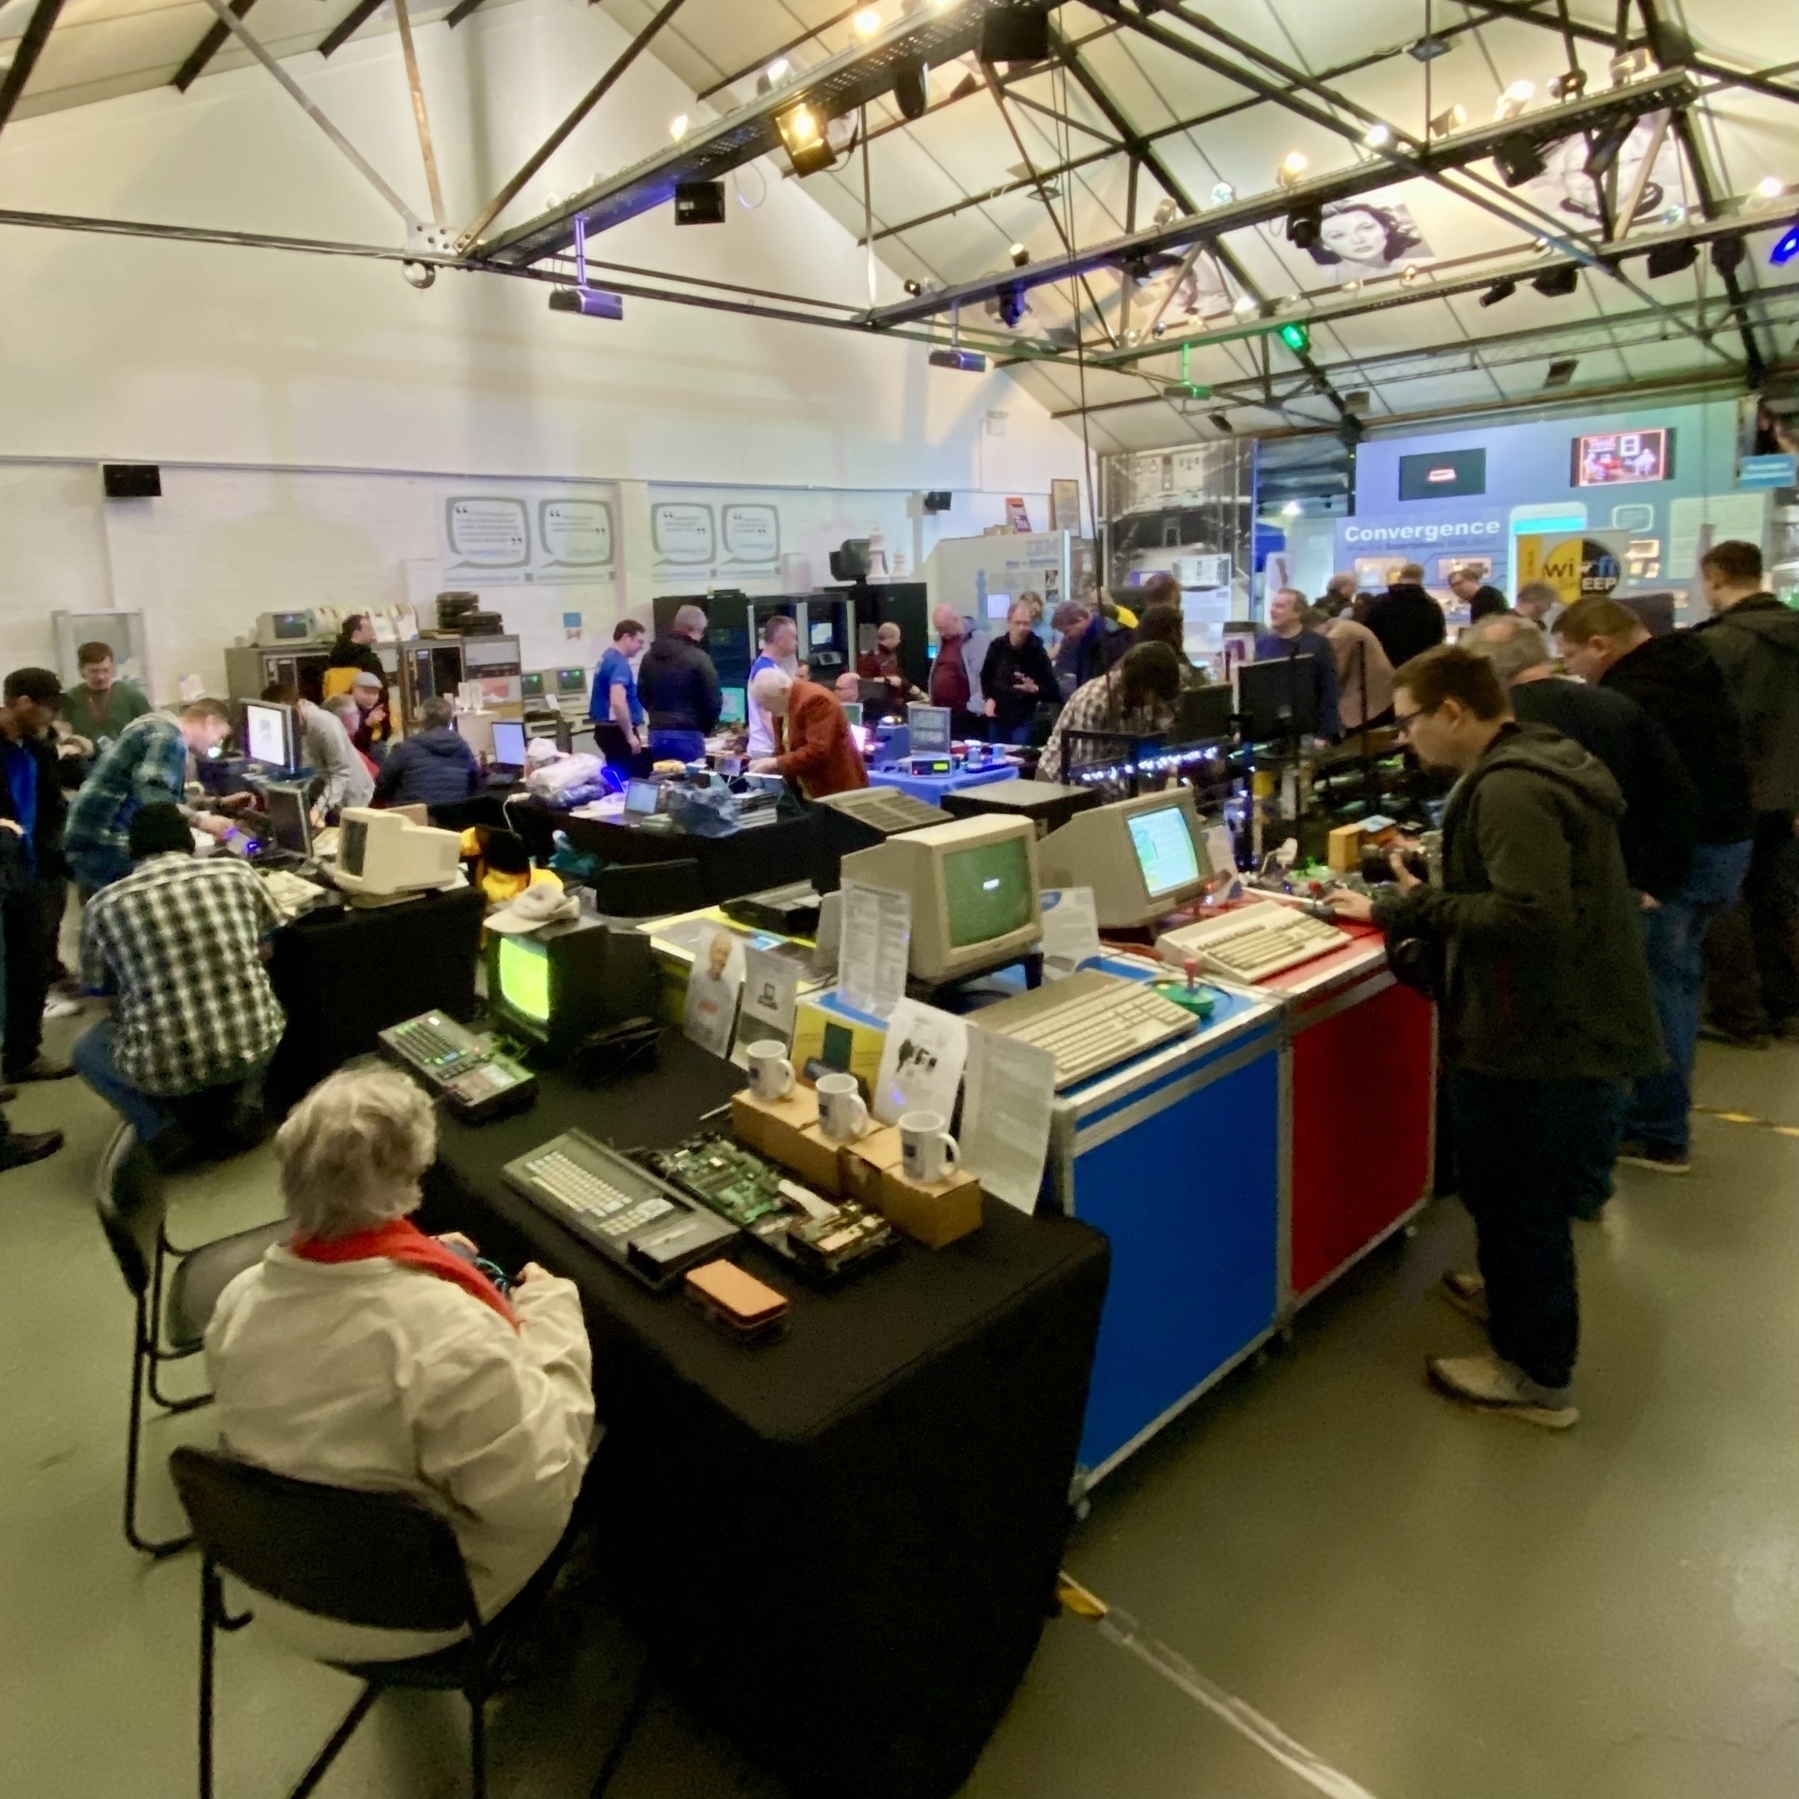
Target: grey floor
1321,1560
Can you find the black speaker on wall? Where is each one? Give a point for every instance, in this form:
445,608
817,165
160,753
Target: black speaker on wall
937,502
699,202
131,480
1015,34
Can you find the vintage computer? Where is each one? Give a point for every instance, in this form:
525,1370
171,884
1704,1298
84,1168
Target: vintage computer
1142,857
572,687
531,690
843,823
556,986
380,854
290,818
270,735
973,885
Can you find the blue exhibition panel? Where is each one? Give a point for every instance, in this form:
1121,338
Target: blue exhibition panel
1177,1159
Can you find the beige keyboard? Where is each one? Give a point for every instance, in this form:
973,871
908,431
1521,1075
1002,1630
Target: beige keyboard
1089,1022
1252,943
292,893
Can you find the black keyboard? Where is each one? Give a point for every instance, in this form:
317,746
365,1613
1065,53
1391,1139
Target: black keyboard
435,1045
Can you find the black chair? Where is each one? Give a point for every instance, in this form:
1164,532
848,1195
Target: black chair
174,1306
649,889
382,1560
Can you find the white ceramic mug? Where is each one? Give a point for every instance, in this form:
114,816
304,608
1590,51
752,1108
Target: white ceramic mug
771,1074
841,1113
928,1152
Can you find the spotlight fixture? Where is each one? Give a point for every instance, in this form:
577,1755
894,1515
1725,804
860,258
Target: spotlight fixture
1246,304
1219,422
1350,287
1500,290
1020,255
699,202
912,88
1728,254
1356,400
1409,274
1378,136
966,362
1630,65
778,70
1015,34
803,134
1770,187
1297,336
1223,193
1010,305
1557,284
1451,118
677,126
1787,248
1167,211
1518,160
1292,166
1427,49
866,23
914,288
1349,427
1514,100
1561,371
1604,145
1670,259
589,302
1569,86
1304,223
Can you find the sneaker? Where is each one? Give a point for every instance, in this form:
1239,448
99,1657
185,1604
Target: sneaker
61,1005
1491,1385
1468,1294
1662,1161
26,1147
43,1069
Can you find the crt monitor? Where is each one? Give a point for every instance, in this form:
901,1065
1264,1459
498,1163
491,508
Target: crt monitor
571,683
290,822
384,853
1277,699
556,986
509,743
530,687
1142,857
973,885
271,735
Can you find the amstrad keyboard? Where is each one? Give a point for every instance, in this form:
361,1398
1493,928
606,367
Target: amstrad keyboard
1089,1022
1252,942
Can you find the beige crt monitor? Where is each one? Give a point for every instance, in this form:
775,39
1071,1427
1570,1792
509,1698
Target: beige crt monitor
1141,857
973,886
383,853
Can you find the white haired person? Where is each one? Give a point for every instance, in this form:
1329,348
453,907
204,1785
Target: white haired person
813,745
363,1353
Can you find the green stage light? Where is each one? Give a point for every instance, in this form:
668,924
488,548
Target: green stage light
1297,337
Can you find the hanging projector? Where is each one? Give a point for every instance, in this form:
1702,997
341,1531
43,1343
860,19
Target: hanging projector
967,362
589,302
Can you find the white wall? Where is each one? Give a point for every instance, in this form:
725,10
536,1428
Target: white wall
259,361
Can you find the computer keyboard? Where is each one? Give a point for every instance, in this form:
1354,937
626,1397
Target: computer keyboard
886,809
1089,1022
324,844
436,1045
292,893
622,1210
1252,943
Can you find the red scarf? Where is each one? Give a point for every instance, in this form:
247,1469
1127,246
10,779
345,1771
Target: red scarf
400,1240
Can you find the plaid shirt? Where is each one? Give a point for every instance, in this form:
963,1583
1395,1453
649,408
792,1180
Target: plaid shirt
1095,707
178,940
146,766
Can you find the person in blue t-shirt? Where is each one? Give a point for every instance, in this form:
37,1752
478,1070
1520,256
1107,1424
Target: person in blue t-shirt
614,708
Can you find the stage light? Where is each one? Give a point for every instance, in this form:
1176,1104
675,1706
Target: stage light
1770,187
1514,100
1500,290
1728,254
1296,336
966,362
1628,65
1427,49
1219,422
1787,248
1569,86
677,126
589,302
1518,160
779,69
699,202
1292,166
1015,34
1223,193
1560,372
1019,254
1451,118
1010,305
1606,144
1167,211
1378,136
1409,274
1557,284
912,88
1246,304
803,134
1670,259
1304,223
866,23
914,288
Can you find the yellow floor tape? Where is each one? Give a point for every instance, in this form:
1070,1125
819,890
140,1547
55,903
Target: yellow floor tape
1763,1124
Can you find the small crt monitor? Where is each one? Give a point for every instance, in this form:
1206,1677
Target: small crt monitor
382,853
733,712
973,885
290,822
530,687
930,729
508,743
571,683
271,735
1142,857
555,986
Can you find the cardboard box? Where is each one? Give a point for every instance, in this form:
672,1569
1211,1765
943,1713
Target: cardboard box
864,1162
786,1131
1343,849
933,1215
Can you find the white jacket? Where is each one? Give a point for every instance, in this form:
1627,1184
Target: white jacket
371,1374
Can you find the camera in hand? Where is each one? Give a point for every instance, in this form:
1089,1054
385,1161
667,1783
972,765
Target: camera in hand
1376,866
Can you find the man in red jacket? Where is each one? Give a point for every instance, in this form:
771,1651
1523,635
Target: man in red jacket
812,735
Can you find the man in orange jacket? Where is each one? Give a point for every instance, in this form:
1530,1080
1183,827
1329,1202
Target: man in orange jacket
812,735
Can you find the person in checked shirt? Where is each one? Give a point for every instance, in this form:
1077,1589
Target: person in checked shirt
178,945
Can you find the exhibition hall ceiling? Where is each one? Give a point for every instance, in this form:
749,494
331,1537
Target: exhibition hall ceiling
1189,219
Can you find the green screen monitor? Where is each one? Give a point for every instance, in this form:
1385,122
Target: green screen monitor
554,987
988,890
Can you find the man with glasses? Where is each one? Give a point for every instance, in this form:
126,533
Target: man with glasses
1545,1004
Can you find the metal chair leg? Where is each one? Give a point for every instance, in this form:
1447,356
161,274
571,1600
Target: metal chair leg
321,1762
157,1358
477,1745
615,1756
168,1545
210,1606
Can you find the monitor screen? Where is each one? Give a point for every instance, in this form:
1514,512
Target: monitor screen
930,728
531,686
509,742
988,891
1620,458
524,970
852,710
352,840
1442,474
265,733
288,823
640,796
732,711
1164,847
571,683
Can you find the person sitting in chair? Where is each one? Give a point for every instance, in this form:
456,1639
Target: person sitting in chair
363,1353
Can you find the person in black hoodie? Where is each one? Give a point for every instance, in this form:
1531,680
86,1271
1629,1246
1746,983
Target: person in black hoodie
1406,619
432,767
1016,678
678,687
1676,681
1752,949
1544,1005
